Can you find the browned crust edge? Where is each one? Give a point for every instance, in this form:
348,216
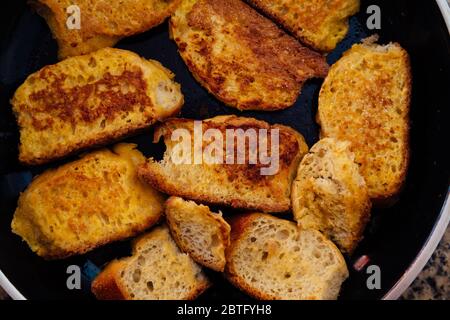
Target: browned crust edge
105,286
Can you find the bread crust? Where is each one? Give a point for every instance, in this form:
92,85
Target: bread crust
105,286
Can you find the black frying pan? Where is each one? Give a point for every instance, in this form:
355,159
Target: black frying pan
398,239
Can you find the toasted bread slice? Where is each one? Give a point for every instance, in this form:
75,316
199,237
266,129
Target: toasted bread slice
87,203
365,100
321,24
199,232
91,100
330,195
236,185
102,23
240,57
272,259
157,270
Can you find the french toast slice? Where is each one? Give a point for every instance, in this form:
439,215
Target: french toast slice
91,100
202,234
87,203
366,100
102,23
272,259
321,24
329,194
240,57
242,185
157,270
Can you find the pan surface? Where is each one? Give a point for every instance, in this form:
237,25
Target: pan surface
398,238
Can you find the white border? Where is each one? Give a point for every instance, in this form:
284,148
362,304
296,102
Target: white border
413,270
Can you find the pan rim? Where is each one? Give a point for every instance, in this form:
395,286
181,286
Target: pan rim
440,226
414,268
424,255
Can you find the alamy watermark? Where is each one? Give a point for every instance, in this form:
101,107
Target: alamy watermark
238,146
374,20
73,21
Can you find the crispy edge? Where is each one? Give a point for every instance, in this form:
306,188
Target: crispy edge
105,286
158,181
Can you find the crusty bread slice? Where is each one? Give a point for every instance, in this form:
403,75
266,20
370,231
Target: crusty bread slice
236,185
271,258
241,57
202,234
321,24
365,100
330,195
90,100
157,270
87,203
102,22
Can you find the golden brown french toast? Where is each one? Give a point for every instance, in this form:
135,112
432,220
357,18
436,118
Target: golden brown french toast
272,259
365,100
240,57
102,23
87,203
239,185
329,194
91,100
321,24
157,270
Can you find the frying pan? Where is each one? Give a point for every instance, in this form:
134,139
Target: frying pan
399,239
